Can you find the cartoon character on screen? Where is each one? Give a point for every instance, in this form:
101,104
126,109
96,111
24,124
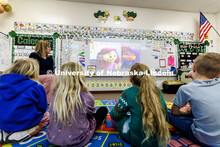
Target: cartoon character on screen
107,58
130,57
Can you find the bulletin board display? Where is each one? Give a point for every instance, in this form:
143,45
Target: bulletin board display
159,55
24,44
156,48
102,54
188,51
5,52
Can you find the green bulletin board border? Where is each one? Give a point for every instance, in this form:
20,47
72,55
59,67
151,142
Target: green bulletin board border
33,35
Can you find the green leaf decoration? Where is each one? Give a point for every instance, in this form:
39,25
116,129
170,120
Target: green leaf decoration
103,14
56,35
206,43
135,15
131,14
96,15
100,13
176,41
12,34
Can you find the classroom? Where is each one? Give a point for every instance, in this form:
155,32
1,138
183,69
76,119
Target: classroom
109,73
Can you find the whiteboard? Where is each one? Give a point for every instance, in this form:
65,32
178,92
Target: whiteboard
158,55
72,51
5,52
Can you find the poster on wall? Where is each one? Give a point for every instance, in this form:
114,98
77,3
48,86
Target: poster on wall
5,52
188,51
21,40
24,44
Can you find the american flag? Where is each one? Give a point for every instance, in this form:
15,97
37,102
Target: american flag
205,26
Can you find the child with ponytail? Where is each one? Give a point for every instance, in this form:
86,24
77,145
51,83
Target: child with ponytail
146,126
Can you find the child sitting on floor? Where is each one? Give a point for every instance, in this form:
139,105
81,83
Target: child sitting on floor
203,95
22,102
147,124
72,112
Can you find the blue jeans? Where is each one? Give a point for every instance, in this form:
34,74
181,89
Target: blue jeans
183,124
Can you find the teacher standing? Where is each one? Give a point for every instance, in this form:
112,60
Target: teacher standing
42,50
46,78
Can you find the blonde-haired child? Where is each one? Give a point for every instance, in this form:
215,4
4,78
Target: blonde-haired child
72,111
203,95
147,124
22,101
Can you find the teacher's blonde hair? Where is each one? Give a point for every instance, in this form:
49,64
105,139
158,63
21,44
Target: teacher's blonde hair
41,47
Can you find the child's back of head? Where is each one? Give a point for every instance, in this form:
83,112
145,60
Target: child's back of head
28,67
68,86
23,100
154,122
208,65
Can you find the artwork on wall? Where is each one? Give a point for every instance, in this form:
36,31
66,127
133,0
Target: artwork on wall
102,15
171,61
130,15
162,63
84,32
117,20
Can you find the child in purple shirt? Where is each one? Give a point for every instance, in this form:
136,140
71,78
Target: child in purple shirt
72,112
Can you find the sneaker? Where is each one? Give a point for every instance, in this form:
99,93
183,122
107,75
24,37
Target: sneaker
15,137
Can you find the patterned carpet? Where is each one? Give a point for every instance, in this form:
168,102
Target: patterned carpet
106,135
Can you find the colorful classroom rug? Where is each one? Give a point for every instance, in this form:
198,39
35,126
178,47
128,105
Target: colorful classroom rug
105,136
